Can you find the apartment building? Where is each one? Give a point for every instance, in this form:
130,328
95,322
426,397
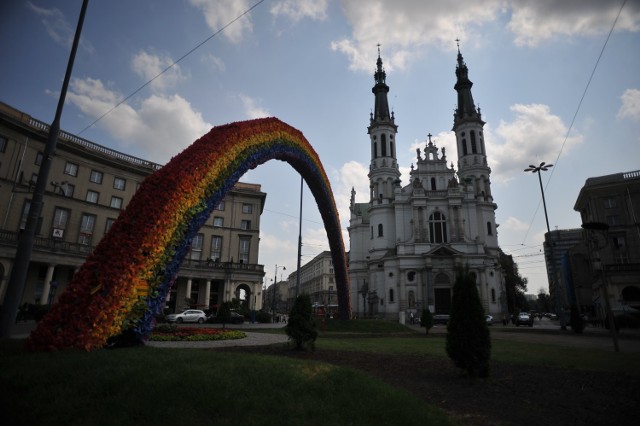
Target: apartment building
89,186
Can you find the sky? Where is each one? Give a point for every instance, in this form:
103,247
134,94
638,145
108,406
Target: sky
556,81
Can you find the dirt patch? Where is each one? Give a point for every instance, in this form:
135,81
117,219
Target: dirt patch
513,395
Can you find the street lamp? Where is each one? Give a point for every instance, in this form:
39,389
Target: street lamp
536,169
273,299
594,251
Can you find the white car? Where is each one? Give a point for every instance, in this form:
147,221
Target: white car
190,315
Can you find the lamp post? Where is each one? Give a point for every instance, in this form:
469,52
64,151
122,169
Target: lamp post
273,299
536,169
594,251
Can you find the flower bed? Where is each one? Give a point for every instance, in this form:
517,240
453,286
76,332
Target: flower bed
193,334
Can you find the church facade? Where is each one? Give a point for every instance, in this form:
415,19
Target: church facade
407,241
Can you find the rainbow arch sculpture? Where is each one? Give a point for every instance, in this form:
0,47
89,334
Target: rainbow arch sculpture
123,284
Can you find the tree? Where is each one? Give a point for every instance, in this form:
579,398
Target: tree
544,301
301,327
515,285
224,313
468,339
426,319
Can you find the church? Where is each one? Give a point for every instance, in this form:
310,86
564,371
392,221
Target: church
407,241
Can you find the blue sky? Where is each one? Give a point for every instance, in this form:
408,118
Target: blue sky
310,63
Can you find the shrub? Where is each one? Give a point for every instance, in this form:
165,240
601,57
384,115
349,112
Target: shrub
301,327
224,313
263,317
426,319
468,339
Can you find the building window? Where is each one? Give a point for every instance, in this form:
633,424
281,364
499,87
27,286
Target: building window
372,232
25,214
613,220
220,206
437,228
87,224
119,183
391,146
383,145
380,233
390,295
433,184
245,245
610,203
116,202
245,225
39,157
71,169
60,219
3,144
489,229
375,150
247,208
493,295
108,224
67,189
196,247
216,248
218,222
95,176
411,276
92,196
474,149
464,147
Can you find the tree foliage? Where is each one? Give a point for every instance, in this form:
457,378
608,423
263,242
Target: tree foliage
301,327
224,313
468,339
426,319
514,283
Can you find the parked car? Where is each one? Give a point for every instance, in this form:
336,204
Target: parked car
190,315
440,319
524,319
488,319
236,318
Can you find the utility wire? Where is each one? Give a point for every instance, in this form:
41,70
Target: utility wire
584,93
135,92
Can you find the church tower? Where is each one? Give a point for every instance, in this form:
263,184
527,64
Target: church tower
384,173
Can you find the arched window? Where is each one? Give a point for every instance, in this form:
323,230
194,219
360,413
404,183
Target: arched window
493,295
474,149
412,299
390,295
372,232
375,150
489,229
391,146
437,228
433,184
380,233
383,145
464,146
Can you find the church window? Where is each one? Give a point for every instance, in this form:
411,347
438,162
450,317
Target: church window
375,150
372,232
474,149
493,295
390,295
489,229
464,146
411,276
392,153
433,184
412,299
383,145
438,228
380,233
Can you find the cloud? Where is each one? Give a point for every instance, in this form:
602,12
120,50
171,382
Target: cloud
296,10
630,105
58,28
251,107
160,126
218,13
149,66
534,135
514,224
406,27
215,62
350,175
536,21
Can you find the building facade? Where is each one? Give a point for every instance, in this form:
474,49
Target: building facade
89,186
408,240
609,207
318,280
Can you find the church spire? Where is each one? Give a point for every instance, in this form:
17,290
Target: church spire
380,90
466,109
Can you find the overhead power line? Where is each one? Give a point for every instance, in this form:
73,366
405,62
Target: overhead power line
135,92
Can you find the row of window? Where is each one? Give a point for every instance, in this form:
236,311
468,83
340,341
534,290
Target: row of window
383,146
474,147
216,248
437,228
96,176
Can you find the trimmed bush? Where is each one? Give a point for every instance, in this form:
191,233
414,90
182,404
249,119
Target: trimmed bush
426,319
468,338
301,327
